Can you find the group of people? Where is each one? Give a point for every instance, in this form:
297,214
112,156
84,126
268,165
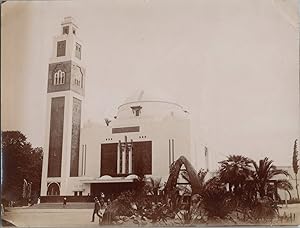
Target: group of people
100,207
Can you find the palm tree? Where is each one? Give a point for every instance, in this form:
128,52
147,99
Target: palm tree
296,165
265,178
235,171
153,185
174,173
107,121
201,177
216,200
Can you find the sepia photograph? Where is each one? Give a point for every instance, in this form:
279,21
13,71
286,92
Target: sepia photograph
157,113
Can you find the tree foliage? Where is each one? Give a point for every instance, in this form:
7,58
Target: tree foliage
19,161
241,189
216,200
191,173
296,165
295,158
235,171
241,185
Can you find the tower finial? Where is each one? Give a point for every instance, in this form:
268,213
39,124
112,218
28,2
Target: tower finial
69,20
69,26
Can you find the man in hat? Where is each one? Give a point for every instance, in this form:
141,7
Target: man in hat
96,209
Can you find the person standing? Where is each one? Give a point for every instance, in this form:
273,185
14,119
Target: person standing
108,202
96,209
2,209
65,201
102,209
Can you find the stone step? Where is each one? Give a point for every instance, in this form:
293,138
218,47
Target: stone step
61,206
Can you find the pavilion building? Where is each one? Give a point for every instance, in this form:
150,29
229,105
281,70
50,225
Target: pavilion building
83,159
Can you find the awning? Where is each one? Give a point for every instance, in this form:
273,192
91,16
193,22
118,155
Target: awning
104,180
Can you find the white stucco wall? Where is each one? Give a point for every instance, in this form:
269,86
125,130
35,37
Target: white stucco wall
159,122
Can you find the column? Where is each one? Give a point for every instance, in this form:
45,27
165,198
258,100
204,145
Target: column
130,157
118,156
123,158
82,159
173,159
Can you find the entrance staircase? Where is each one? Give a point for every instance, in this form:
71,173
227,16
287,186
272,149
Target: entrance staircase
81,205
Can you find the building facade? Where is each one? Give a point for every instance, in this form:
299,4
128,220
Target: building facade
292,194
144,138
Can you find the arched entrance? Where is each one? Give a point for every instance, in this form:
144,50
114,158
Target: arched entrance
53,189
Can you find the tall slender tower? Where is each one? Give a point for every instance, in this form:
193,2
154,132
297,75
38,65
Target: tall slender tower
65,93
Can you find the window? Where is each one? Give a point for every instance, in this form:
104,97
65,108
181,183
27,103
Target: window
78,51
142,158
78,77
74,31
77,82
61,48
59,78
75,193
53,189
136,110
108,164
65,30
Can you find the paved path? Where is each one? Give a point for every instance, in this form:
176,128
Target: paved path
292,208
61,206
70,217
27,217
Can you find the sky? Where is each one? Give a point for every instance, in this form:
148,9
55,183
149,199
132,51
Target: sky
232,64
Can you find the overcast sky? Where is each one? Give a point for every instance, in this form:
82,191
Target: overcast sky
233,64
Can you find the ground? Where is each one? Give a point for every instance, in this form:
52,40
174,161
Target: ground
26,217
80,215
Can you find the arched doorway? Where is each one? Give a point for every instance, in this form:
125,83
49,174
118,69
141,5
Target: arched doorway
53,189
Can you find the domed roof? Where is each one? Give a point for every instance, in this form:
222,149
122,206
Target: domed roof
155,95
154,105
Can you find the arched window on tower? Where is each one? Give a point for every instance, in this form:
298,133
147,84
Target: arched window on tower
55,81
65,30
77,81
78,50
59,78
63,77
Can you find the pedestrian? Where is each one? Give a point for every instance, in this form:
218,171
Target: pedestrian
102,196
102,209
65,201
2,209
294,217
108,202
96,209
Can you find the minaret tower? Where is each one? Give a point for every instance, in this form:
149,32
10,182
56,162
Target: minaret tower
65,94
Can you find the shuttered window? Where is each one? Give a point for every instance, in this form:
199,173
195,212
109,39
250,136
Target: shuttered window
61,48
142,157
109,159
